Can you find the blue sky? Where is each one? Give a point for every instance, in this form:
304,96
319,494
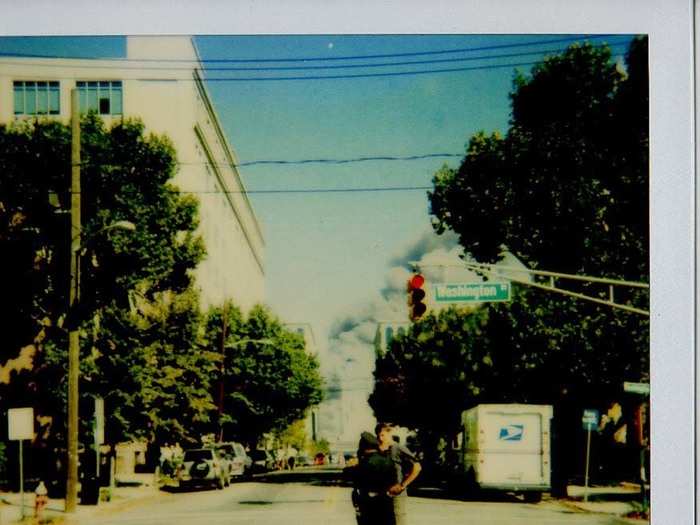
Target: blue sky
327,253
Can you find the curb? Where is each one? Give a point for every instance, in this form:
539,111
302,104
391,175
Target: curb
617,520
93,513
114,508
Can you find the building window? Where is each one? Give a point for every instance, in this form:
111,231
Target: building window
36,97
103,97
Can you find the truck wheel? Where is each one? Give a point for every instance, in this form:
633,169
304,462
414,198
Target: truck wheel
532,497
472,488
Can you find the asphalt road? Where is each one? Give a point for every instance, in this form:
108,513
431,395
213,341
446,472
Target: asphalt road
310,499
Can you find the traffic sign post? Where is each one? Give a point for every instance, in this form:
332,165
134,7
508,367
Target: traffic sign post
487,292
590,422
20,423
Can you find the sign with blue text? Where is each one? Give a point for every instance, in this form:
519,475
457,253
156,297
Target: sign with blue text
590,419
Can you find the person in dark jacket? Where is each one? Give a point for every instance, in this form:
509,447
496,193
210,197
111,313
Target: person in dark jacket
372,477
405,469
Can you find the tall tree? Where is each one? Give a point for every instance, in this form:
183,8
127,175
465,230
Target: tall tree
269,379
566,190
126,176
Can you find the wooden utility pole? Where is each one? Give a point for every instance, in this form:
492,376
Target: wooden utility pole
222,368
74,298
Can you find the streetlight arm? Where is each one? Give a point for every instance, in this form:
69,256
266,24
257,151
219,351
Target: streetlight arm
242,342
119,225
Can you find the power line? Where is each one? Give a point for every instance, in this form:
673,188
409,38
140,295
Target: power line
369,189
371,75
324,59
321,67
336,77
299,162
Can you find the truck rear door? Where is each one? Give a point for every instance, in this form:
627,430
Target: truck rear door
512,448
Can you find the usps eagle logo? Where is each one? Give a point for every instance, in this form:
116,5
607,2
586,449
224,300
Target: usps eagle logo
511,433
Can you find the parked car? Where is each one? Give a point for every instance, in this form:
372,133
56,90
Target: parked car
304,461
202,466
262,461
240,463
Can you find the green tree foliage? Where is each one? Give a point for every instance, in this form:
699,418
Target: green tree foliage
125,175
269,380
154,372
293,436
567,188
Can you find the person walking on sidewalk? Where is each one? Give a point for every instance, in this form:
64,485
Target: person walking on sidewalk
406,469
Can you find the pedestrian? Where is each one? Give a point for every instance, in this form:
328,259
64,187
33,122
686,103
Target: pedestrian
372,477
406,469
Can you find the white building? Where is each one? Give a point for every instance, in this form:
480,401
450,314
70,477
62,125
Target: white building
160,82
305,330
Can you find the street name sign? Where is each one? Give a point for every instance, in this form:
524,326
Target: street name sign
590,419
20,423
637,388
487,292
590,423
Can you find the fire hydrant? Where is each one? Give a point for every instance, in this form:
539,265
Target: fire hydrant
40,499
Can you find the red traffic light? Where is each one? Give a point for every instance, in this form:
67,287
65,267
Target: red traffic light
416,281
416,295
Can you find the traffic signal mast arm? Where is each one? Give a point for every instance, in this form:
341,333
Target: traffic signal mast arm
492,270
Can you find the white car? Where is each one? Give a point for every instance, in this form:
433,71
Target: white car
239,462
202,466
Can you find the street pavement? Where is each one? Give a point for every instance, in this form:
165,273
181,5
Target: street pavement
313,497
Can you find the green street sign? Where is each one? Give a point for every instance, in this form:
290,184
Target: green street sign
637,388
487,292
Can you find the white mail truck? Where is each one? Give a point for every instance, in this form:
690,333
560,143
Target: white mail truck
504,447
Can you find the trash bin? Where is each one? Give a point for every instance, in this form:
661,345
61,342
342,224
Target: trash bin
89,479
89,490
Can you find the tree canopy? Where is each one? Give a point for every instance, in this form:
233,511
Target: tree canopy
564,190
269,379
125,176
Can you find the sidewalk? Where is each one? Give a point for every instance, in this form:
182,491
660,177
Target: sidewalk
620,501
130,491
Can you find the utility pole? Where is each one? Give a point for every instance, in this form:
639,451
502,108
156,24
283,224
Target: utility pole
222,368
74,298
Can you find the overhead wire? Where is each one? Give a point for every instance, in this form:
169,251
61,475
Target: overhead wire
327,58
366,75
307,67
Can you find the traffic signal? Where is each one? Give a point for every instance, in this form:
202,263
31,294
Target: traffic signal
416,297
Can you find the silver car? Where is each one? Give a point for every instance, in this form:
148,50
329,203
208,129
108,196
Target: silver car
239,462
